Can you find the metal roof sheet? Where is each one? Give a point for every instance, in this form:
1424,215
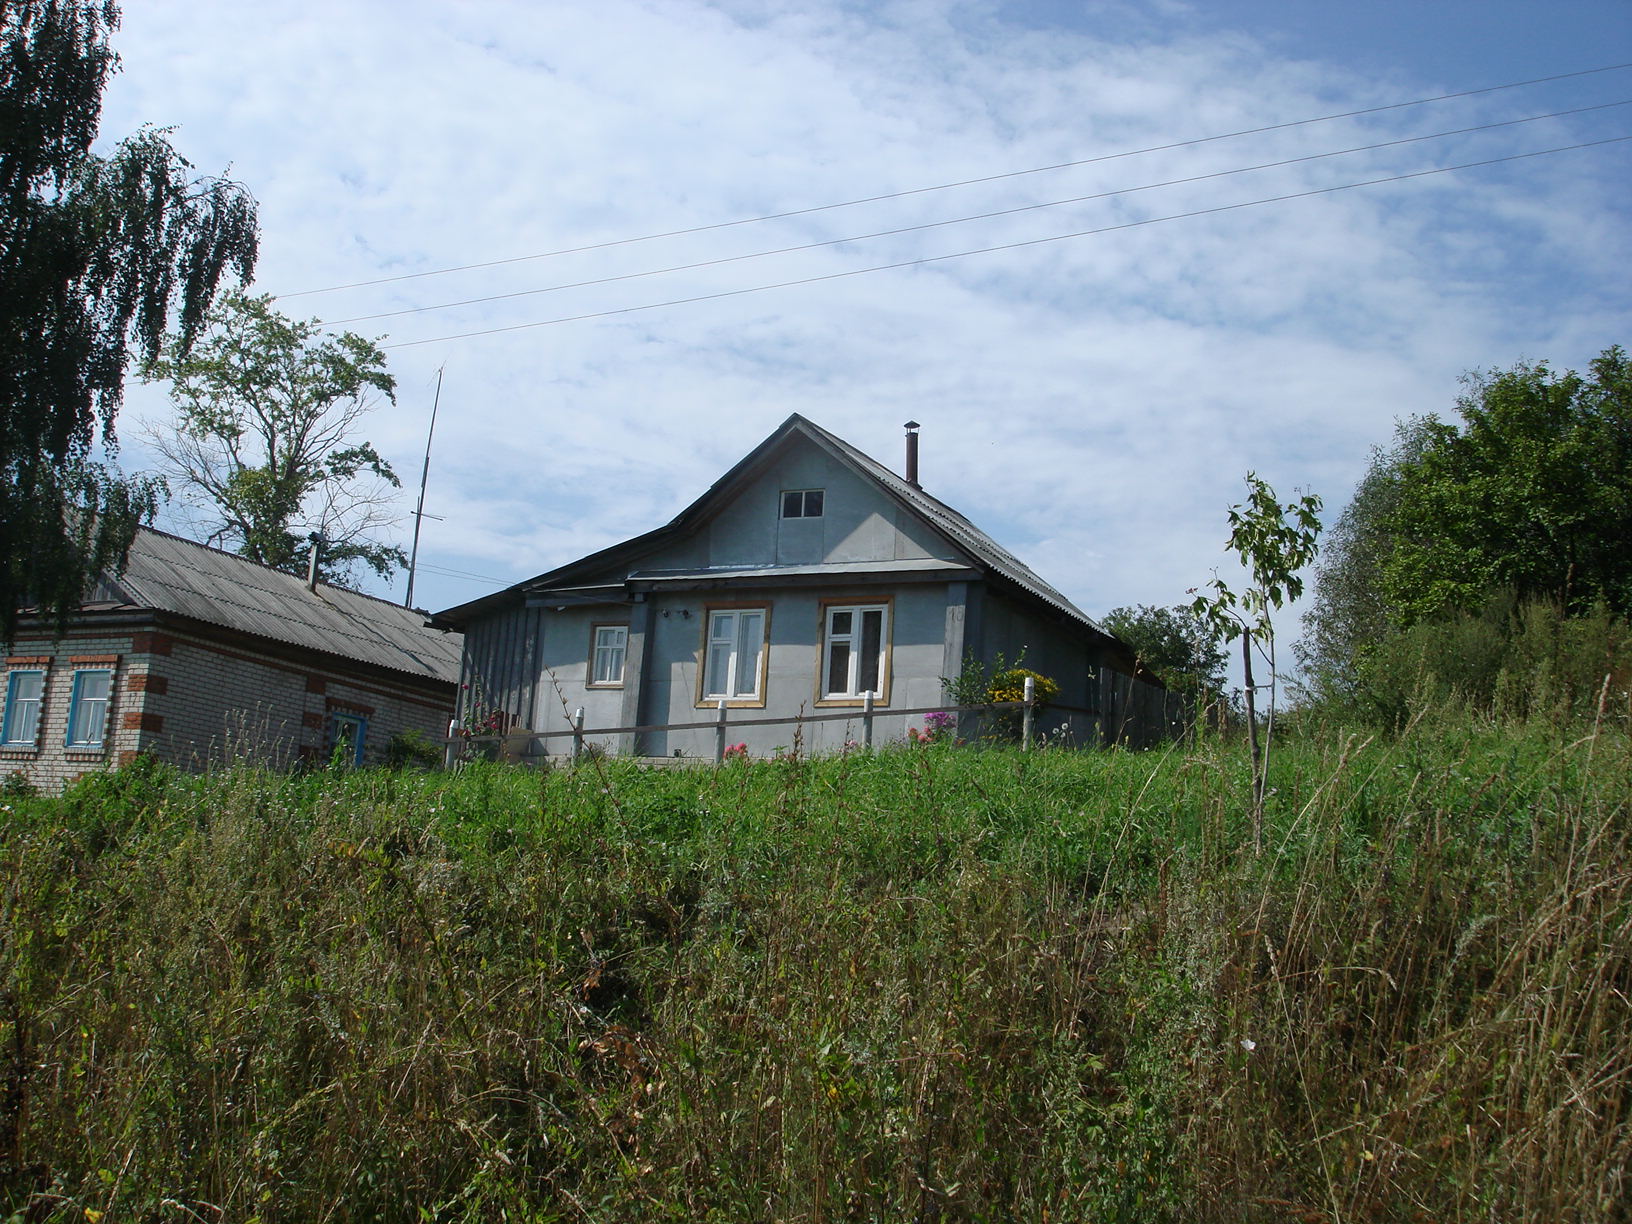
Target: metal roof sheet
169,574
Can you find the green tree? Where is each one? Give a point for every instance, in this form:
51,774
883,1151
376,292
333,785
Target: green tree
1533,494
1179,646
1350,616
1527,501
1274,542
96,254
263,440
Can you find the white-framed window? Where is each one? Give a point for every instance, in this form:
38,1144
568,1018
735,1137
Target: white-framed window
855,641
611,645
88,708
802,503
24,692
734,658
347,735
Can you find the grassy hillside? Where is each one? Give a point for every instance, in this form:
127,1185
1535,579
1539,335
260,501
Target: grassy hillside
927,984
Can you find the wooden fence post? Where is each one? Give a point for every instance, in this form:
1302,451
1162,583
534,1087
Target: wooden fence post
577,733
867,719
1030,710
719,733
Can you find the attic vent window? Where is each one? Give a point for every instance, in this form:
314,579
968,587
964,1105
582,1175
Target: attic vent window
802,503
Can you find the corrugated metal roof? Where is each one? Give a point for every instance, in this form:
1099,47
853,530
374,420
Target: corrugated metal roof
170,574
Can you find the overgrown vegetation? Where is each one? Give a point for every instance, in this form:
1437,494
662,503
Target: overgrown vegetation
1476,533
928,983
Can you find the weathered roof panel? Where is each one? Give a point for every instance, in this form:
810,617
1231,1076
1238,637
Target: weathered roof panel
169,574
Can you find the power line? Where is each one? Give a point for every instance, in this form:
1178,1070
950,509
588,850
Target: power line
453,573
985,216
989,178
1007,246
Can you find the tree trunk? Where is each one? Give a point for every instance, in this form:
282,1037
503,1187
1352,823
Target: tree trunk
1257,752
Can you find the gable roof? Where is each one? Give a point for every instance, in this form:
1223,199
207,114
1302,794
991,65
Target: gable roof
993,560
986,552
167,573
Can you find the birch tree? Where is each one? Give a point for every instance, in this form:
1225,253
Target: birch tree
97,255
264,447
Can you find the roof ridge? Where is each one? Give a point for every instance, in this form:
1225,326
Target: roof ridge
262,565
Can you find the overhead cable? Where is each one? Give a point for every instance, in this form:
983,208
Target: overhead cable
988,178
985,216
1007,246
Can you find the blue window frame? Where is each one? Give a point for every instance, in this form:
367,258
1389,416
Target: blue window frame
347,735
24,693
88,708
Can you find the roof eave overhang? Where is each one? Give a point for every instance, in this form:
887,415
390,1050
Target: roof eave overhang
100,621
771,578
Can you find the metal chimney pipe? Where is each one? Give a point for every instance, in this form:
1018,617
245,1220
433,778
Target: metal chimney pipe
912,453
318,540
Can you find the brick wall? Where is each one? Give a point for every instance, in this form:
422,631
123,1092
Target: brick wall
50,763
200,702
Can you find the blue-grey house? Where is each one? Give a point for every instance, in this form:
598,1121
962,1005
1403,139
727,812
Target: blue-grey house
808,576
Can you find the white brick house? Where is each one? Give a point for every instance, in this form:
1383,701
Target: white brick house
201,657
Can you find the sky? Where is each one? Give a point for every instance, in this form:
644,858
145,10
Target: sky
1229,289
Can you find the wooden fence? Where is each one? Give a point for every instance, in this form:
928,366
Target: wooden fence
526,745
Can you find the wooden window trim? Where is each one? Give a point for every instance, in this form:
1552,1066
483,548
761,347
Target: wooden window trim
704,701
86,747
886,663
7,696
589,668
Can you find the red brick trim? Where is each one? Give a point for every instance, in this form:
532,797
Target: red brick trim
126,756
105,660
28,660
146,682
151,643
316,684
348,707
312,720
142,720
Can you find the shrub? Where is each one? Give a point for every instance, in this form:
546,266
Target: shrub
412,749
1010,685
1512,658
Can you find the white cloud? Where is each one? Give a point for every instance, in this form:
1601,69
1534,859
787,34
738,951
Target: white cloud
1092,402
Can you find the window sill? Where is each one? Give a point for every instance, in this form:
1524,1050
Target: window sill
602,688
732,703
855,703
16,752
85,752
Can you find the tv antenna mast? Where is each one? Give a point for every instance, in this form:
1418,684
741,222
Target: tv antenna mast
424,477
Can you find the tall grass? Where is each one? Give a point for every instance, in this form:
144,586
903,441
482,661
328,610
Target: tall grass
924,984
